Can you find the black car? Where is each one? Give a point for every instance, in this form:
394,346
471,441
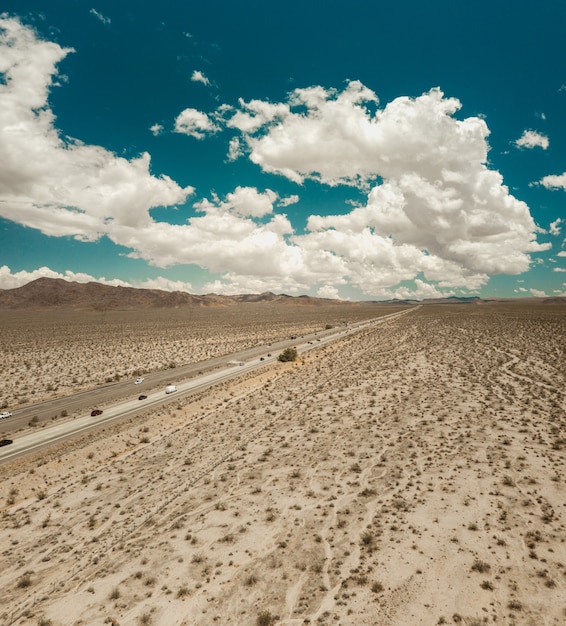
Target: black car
5,442
142,397
96,412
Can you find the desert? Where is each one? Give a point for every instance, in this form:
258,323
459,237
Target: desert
410,474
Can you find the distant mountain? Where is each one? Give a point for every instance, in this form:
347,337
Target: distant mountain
56,293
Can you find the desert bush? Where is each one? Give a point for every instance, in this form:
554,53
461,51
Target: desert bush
24,581
289,354
480,566
265,619
368,538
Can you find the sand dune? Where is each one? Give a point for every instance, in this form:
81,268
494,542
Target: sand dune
412,474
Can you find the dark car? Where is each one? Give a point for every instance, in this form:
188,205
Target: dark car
142,397
96,412
5,442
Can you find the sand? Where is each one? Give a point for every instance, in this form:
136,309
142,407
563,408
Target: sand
411,474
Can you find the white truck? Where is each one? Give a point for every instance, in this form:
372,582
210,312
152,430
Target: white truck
170,389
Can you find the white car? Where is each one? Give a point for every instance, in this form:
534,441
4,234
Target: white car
139,380
5,414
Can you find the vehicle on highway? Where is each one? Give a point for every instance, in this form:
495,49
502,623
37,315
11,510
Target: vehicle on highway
170,389
5,414
5,442
269,354
96,412
139,380
142,397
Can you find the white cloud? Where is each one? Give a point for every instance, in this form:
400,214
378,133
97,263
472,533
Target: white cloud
195,124
562,253
554,181
289,200
559,269
537,293
438,211
62,187
234,149
555,227
99,16
199,77
248,201
243,201
164,284
156,129
333,137
437,215
328,291
11,280
532,139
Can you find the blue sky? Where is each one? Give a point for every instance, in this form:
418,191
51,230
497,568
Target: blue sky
360,150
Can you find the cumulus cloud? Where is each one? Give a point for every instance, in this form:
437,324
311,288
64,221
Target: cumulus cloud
62,187
434,213
438,209
195,124
11,280
328,291
553,181
156,129
199,77
559,269
538,293
333,137
555,227
289,200
532,139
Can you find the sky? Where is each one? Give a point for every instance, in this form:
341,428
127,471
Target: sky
347,149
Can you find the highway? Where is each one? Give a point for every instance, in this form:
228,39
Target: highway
121,400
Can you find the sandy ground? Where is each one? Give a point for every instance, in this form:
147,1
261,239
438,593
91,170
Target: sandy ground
52,353
412,474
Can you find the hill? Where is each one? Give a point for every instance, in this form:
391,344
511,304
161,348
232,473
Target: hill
56,293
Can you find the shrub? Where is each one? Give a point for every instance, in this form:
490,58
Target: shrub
24,581
368,538
289,354
183,591
265,619
480,566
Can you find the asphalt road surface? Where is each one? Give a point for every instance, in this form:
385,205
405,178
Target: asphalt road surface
120,400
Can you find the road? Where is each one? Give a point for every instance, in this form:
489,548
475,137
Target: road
123,397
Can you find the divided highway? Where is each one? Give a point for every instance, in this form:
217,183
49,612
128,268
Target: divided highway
123,397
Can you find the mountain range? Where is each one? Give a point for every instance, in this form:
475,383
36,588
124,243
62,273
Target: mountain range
56,293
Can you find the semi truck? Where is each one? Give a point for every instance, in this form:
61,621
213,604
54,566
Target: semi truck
170,389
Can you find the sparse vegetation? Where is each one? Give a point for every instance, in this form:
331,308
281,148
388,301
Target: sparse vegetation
289,354
365,467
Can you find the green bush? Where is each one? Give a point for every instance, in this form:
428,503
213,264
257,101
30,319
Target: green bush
289,354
